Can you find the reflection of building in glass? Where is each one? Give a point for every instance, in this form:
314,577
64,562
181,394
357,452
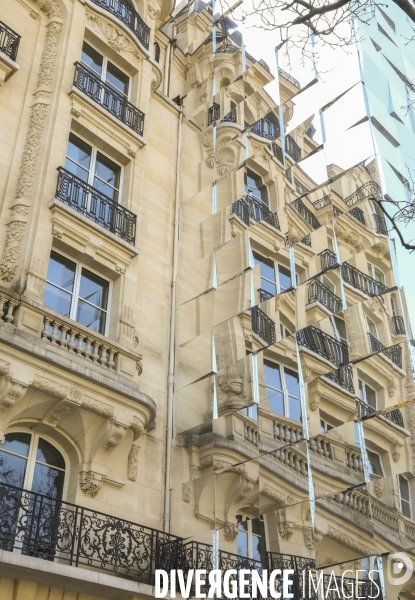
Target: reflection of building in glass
202,337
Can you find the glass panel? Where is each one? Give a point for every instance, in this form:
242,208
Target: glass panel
18,443
375,465
93,289
272,375
242,539
291,382
107,177
48,454
276,401
91,317
117,78
79,152
371,327
57,300
294,408
370,396
256,546
379,276
12,469
284,278
48,481
61,271
328,284
92,58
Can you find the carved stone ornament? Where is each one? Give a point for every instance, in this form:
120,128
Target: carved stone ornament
230,532
247,487
349,542
272,494
194,472
99,408
20,210
132,464
379,487
233,389
57,413
154,9
49,387
285,530
13,392
116,38
90,483
186,492
115,436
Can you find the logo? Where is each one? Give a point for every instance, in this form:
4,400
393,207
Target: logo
399,568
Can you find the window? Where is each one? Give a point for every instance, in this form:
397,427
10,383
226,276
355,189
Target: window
375,274
338,327
371,327
106,70
393,306
248,539
28,461
255,186
283,390
367,395
156,52
93,167
328,284
77,293
251,411
375,465
330,244
405,496
275,278
325,426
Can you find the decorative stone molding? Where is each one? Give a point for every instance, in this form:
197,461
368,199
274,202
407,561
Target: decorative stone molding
378,487
20,210
186,492
247,487
272,493
351,335
154,9
49,387
98,407
115,435
12,393
233,389
285,530
230,532
115,37
349,542
58,412
194,472
90,483
132,464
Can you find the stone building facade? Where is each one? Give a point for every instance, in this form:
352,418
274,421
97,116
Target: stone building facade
204,352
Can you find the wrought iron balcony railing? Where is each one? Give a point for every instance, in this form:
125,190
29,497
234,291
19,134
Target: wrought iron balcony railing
292,148
380,224
323,344
264,295
322,202
307,215
370,188
289,78
262,325
104,94
253,208
398,325
361,281
337,212
9,41
395,416
289,175
364,409
37,525
264,64
328,260
95,205
306,240
358,214
343,377
213,113
266,128
301,188
129,16
277,151
317,292
394,353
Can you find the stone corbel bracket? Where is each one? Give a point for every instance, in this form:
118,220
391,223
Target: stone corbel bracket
11,392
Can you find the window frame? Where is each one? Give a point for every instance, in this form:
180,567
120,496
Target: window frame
262,189
371,268
284,389
75,293
408,502
103,75
91,171
362,388
276,266
375,475
251,535
368,319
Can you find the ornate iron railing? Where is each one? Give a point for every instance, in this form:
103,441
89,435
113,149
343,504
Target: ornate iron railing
364,409
277,151
37,525
395,416
264,64
289,175
399,325
129,16
301,189
380,224
292,148
230,116
306,240
318,292
394,353
104,94
322,202
9,41
361,281
343,377
298,564
95,205
370,188
304,212
289,78
262,325
328,260
337,212
266,128
264,295
253,208
323,344
213,113
358,214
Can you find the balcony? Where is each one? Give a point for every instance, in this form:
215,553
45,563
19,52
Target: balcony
288,77
292,148
394,353
40,526
361,281
322,202
129,16
264,295
323,344
305,213
328,260
300,188
104,94
364,409
262,325
317,292
370,188
395,416
358,214
343,377
253,208
380,224
85,199
213,113
9,41
337,212
398,325
266,128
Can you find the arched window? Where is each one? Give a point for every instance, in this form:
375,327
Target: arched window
29,461
156,52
